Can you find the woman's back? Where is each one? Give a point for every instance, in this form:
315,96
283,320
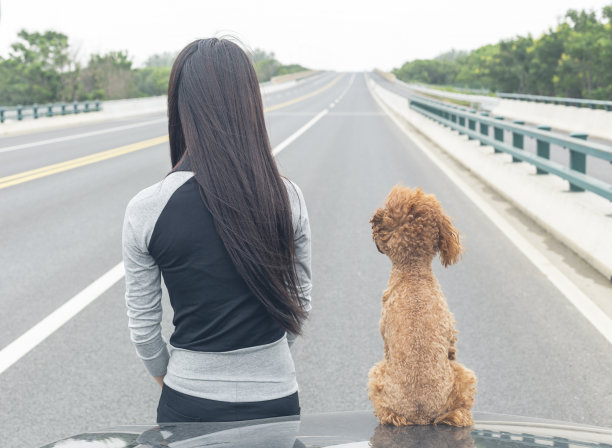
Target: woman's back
231,238
225,345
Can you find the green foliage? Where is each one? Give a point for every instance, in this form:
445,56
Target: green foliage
152,81
266,66
572,60
288,69
108,76
41,69
33,72
430,71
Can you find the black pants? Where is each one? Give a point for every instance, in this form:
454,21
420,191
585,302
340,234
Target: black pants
175,406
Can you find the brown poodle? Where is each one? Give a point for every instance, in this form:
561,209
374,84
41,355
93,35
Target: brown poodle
418,382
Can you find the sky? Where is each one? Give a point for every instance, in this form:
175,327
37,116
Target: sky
343,35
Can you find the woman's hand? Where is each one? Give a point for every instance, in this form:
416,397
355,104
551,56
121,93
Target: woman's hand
160,380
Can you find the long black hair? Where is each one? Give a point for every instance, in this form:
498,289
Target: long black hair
216,120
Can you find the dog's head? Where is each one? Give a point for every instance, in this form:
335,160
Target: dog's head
412,227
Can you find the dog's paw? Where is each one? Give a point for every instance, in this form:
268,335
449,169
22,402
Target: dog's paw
457,417
391,418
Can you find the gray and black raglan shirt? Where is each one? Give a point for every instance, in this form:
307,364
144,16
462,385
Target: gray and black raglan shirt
225,346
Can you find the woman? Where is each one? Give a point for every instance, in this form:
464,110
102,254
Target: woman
232,240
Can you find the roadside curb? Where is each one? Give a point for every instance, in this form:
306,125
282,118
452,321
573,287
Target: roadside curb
581,221
112,110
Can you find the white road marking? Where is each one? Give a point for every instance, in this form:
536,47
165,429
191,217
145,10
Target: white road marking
39,332
581,302
82,135
299,132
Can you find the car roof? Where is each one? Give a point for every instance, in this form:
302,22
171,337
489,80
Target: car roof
349,429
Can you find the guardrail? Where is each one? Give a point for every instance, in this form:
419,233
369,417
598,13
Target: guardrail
476,126
48,110
593,104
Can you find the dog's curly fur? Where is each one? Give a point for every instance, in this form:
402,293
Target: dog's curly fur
418,382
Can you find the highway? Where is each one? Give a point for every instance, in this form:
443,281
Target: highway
533,353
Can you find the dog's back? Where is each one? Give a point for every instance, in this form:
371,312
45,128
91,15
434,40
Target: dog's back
417,328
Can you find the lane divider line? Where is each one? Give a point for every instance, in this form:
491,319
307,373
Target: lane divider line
13,352
55,168
48,170
299,132
568,289
304,97
39,332
82,135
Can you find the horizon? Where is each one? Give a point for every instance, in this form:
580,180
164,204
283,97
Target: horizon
398,37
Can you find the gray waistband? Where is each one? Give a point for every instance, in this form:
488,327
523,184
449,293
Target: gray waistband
264,372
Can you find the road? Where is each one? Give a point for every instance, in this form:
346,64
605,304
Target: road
533,353
595,167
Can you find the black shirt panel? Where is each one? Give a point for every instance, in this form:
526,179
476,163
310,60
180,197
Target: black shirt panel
214,310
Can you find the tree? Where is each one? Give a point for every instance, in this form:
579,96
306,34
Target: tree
574,59
33,71
108,76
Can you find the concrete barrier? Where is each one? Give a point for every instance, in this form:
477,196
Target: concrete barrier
594,122
293,76
581,220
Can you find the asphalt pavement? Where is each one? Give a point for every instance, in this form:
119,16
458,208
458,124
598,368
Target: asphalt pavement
533,353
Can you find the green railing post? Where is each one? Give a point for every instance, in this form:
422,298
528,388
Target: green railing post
578,160
517,140
35,110
75,108
543,149
50,110
97,105
1,115
461,123
484,128
19,112
63,108
86,106
471,125
498,133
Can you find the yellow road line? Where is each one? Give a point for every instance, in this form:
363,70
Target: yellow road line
303,97
78,162
48,170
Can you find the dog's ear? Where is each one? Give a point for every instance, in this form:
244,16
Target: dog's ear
377,218
449,243
379,234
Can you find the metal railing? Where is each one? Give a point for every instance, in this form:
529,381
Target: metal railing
48,110
593,104
476,126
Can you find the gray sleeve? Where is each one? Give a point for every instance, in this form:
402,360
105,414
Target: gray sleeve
301,226
143,295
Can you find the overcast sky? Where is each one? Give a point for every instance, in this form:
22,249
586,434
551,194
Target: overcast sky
330,34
